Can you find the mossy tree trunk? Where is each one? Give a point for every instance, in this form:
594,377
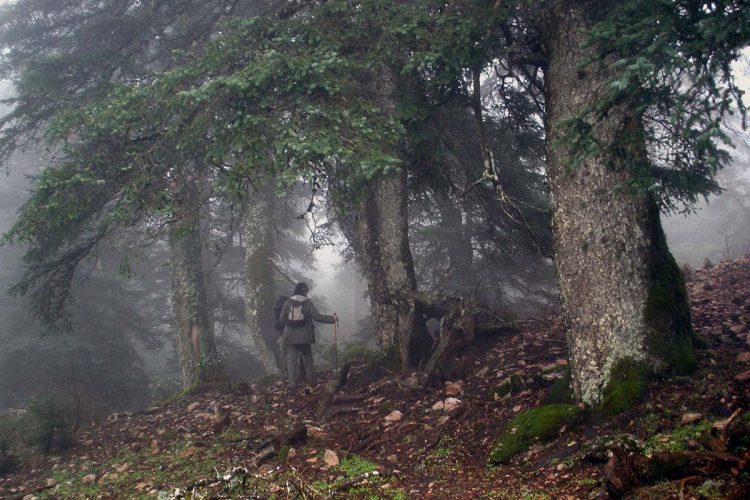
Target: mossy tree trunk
196,347
622,295
259,288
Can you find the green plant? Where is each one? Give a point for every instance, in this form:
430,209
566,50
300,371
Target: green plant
356,466
677,439
711,488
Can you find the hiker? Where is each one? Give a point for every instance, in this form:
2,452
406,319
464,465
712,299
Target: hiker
296,322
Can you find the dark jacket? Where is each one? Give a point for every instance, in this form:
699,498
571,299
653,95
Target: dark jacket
303,334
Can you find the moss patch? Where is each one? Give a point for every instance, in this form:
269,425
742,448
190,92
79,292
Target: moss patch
627,384
678,439
561,391
542,423
667,314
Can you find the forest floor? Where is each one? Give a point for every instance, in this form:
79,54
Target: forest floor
390,441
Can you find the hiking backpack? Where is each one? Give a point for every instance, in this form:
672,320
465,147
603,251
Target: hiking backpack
296,316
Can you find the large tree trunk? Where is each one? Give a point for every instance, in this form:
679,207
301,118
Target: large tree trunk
196,346
259,289
622,294
385,256
379,234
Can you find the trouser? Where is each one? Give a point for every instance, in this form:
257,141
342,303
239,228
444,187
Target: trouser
295,352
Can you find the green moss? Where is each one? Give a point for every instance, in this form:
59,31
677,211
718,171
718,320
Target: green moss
678,439
561,391
627,384
542,423
667,311
355,466
284,453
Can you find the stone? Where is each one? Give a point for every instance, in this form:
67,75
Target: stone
330,458
50,483
691,418
88,442
394,416
451,404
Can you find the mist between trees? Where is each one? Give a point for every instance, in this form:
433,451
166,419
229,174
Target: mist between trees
191,161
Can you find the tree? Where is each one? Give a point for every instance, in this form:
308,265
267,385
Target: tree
64,55
633,113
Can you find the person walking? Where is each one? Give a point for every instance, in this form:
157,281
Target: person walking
298,332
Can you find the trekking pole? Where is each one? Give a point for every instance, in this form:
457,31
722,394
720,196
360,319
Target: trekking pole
335,343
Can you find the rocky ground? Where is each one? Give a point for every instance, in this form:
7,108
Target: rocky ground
379,438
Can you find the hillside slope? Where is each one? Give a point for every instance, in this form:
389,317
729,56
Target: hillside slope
381,439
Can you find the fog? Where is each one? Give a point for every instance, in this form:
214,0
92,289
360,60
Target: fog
128,318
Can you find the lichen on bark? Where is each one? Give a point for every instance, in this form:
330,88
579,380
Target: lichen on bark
196,347
259,288
614,268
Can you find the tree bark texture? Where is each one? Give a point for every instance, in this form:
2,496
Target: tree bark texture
622,296
196,346
379,234
259,288
387,262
